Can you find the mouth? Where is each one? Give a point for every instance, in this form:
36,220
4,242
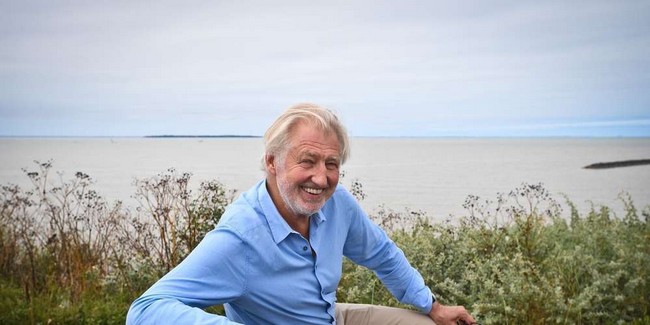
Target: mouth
313,191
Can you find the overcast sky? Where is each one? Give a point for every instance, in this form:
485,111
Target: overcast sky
389,68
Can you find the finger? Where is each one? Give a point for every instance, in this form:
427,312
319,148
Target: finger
467,319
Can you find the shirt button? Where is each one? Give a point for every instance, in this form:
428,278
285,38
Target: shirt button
304,248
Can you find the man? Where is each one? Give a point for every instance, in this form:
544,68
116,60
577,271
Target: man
276,255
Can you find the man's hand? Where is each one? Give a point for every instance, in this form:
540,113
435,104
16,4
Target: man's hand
449,315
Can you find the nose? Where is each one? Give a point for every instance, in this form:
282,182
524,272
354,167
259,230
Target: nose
319,178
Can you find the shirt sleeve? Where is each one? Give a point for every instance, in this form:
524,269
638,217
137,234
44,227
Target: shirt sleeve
368,245
213,273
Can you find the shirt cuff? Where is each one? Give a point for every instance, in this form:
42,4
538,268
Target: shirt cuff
426,305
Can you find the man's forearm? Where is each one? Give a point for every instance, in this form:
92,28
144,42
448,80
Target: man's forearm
166,310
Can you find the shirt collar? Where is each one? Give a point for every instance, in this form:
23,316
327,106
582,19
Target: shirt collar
279,227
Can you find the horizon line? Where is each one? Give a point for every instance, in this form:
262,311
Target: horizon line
226,136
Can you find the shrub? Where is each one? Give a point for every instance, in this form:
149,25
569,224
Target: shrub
70,257
170,221
67,256
518,261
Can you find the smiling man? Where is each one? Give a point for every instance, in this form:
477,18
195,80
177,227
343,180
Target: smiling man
276,255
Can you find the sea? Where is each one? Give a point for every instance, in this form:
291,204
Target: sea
433,176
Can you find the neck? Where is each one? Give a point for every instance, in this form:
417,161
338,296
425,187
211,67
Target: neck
300,225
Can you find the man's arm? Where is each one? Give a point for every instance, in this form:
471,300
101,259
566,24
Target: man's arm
404,282
368,245
214,273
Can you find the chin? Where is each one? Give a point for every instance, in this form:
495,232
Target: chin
310,209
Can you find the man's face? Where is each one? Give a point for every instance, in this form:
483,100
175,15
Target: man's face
308,173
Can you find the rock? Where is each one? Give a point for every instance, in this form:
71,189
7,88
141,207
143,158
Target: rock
614,164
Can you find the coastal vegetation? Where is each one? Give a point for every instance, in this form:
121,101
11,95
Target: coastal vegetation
69,256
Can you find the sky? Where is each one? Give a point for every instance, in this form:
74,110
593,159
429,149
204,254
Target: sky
388,68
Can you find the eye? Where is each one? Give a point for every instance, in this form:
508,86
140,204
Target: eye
332,165
307,162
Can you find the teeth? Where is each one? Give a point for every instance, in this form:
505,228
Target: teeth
313,190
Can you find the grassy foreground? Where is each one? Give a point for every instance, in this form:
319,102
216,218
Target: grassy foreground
68,256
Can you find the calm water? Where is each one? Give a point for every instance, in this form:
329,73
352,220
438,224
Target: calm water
429,174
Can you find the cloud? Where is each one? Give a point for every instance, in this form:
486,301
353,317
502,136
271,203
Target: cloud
384,64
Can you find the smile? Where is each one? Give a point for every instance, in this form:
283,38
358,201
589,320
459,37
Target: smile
314,191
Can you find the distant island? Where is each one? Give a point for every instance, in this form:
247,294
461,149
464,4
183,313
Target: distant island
203,136
614,164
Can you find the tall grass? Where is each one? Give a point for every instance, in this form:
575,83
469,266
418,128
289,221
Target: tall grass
69,256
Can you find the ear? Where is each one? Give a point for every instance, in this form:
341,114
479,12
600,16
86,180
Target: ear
269,162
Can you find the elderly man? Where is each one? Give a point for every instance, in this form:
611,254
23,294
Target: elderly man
276,255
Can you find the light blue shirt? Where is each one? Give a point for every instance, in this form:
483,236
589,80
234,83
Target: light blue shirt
266,273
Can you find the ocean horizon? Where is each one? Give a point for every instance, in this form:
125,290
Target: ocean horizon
351,136
429,174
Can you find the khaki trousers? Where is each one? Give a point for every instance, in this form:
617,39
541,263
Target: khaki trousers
359,314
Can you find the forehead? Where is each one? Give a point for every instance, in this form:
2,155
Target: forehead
309,139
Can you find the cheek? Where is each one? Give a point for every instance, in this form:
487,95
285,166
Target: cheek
334,178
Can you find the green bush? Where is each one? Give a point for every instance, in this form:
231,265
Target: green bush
521,262
69,257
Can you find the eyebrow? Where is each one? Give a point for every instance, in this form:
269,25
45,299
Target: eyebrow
311,154
333,158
